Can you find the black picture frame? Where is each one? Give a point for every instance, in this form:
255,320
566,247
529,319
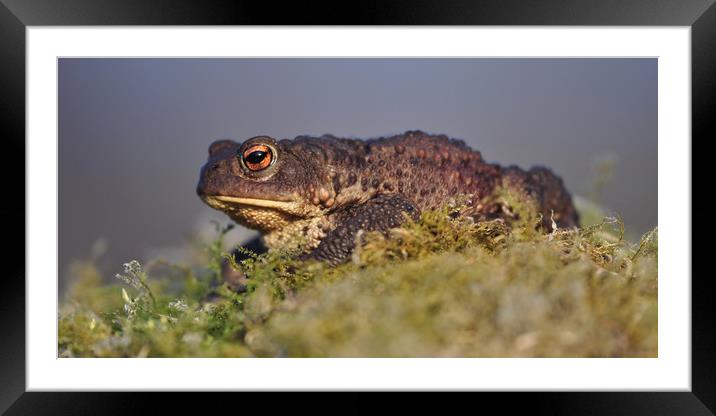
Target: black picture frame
16,15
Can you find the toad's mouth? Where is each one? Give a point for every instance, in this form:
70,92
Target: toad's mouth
255,210
232,202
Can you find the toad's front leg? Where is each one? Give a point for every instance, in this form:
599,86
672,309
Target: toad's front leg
378,214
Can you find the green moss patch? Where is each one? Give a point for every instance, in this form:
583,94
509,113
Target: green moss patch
442,286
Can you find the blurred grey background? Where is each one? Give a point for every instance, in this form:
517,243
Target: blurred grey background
133,133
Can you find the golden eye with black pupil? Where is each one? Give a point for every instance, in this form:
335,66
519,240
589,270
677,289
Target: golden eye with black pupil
257,157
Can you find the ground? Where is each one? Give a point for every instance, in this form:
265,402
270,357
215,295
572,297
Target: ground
441,286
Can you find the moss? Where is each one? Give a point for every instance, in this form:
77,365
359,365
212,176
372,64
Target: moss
440,286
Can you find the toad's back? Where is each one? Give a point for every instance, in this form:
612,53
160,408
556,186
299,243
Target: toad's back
428,170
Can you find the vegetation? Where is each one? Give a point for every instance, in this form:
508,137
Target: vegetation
440,286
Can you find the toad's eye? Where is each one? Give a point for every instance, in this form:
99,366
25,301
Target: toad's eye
257,157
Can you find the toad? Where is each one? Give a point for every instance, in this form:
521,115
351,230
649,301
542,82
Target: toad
325,190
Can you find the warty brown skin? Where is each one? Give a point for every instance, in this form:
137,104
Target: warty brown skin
327,189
